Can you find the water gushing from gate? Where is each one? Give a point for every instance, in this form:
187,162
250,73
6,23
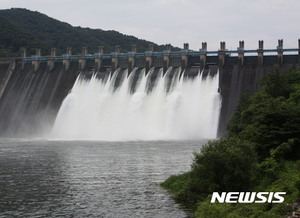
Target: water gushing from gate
168,107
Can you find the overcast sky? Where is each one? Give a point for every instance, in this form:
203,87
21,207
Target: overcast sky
180,21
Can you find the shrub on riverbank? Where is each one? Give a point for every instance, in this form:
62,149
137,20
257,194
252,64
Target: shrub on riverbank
260,153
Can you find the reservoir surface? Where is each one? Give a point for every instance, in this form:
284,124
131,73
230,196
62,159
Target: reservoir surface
42,178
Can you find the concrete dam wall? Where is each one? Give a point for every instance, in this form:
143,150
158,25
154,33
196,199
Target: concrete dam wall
32,97
32,89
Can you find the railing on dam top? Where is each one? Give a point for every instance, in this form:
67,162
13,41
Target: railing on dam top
153,54
167,57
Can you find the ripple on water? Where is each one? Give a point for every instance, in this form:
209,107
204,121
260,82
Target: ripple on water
90,179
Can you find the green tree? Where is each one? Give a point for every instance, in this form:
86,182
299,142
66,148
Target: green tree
222,165
271,116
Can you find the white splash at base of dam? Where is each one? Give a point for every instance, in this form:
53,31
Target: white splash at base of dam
96,110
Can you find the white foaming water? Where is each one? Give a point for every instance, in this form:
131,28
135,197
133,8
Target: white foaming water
94,110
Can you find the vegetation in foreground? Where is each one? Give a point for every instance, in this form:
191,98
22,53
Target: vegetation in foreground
260,154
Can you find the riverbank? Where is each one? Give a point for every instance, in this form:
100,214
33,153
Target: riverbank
261,153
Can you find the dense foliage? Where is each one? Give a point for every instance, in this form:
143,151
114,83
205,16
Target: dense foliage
260,153
12,38
35,30
271,117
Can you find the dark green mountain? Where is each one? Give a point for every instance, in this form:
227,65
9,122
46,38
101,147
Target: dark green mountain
12,38
31,29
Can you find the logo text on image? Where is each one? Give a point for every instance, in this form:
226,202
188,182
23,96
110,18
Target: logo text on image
247,197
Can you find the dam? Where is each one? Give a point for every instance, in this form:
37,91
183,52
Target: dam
37,92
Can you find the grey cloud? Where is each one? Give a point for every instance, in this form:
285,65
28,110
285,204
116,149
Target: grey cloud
179,21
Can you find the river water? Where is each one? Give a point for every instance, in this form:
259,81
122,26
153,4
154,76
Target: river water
41,178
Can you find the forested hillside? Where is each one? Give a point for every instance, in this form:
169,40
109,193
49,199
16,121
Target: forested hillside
12,37
31,29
